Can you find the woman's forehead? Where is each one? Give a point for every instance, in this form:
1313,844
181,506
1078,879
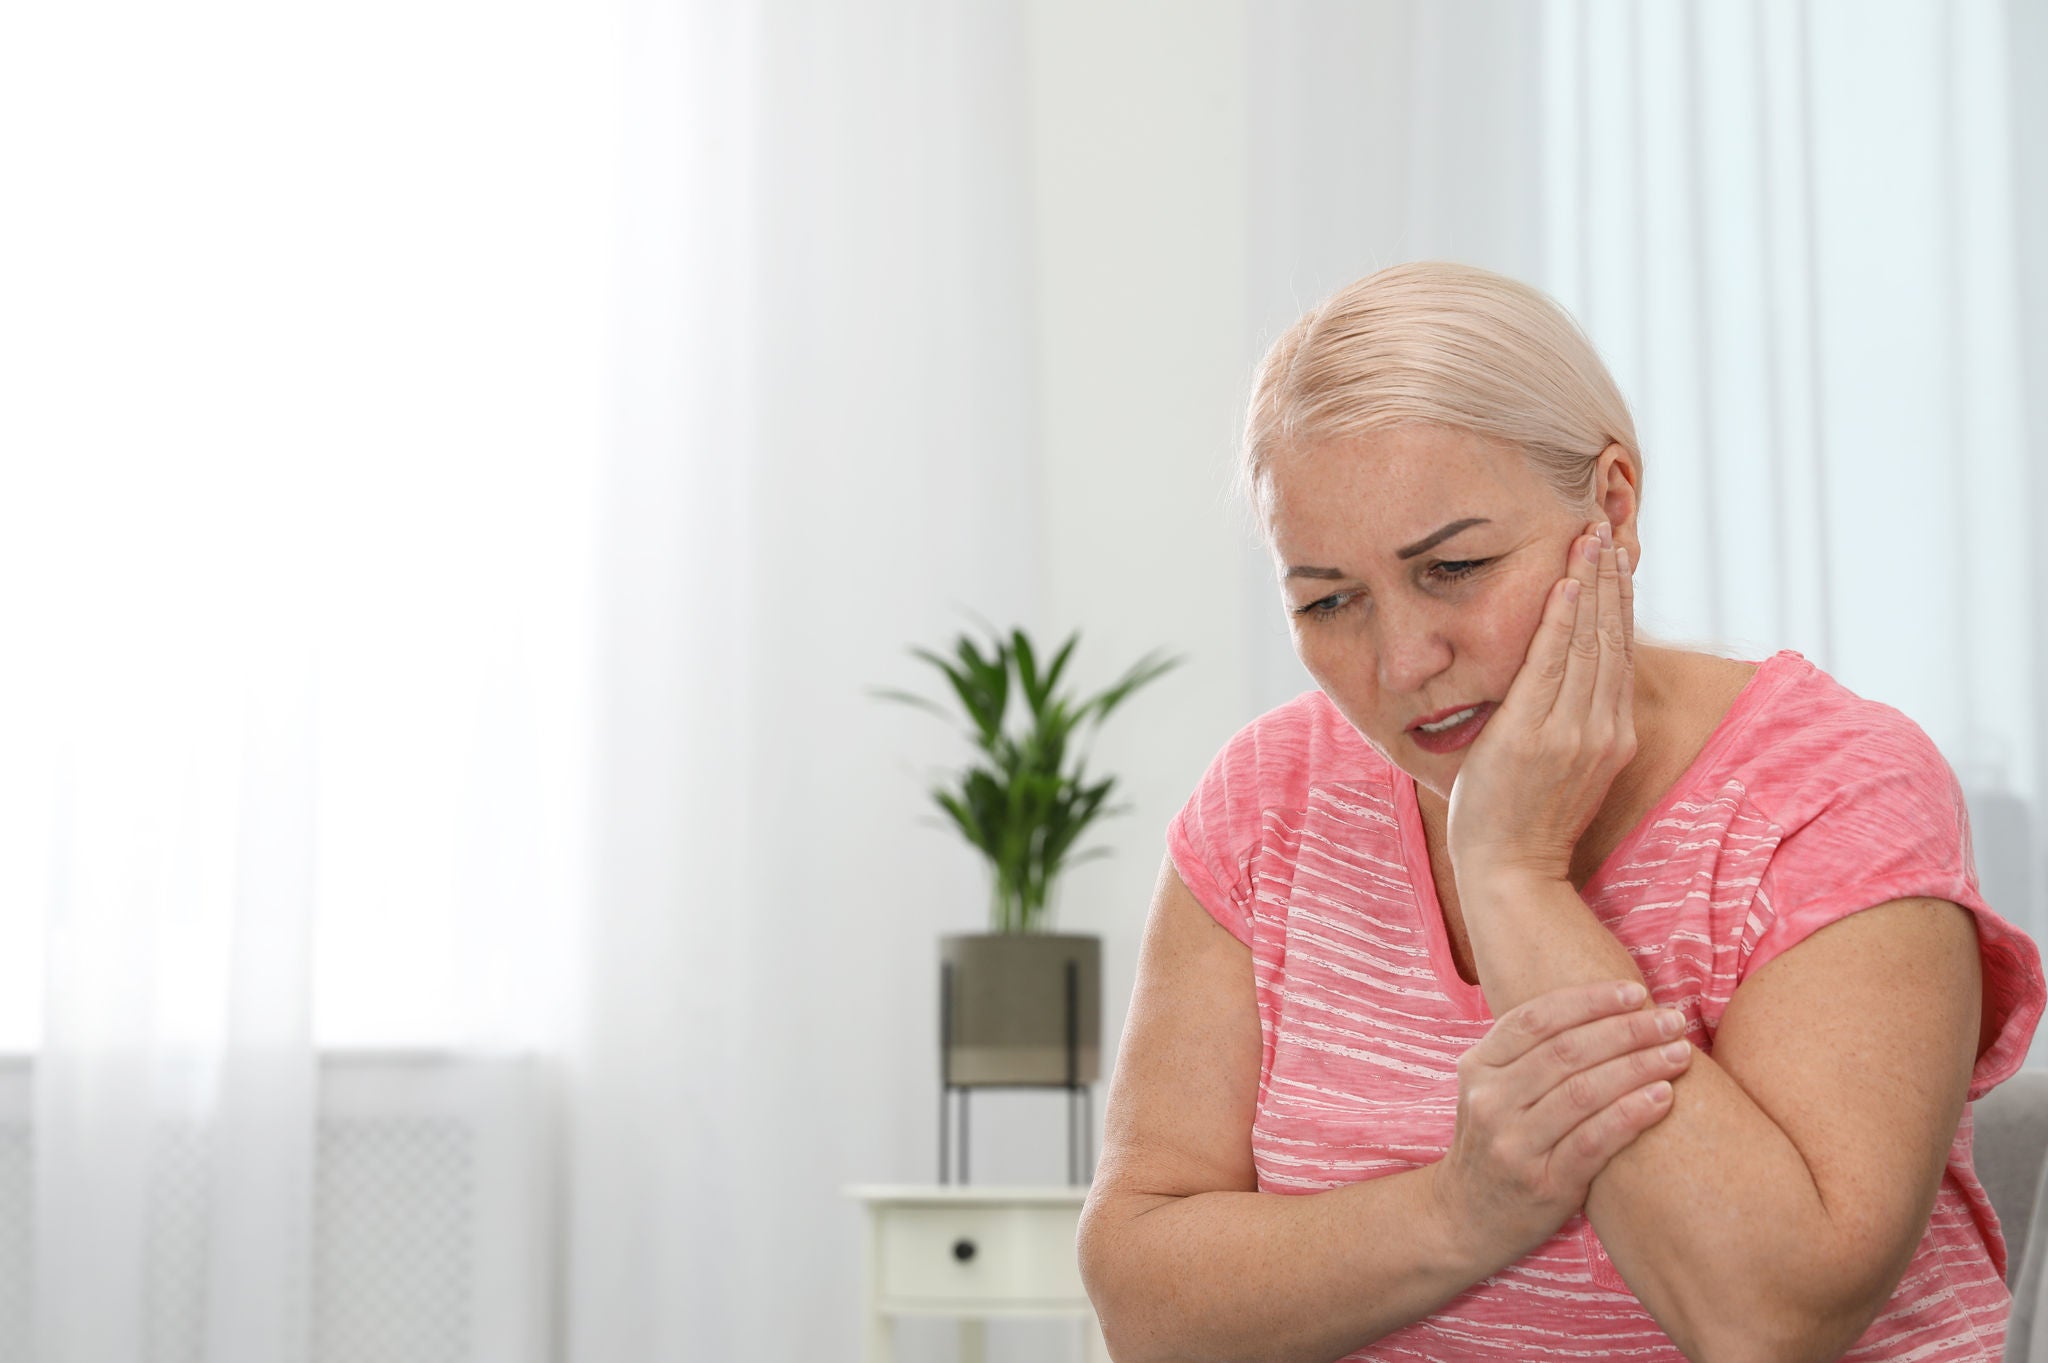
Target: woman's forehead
1412,452
1391,493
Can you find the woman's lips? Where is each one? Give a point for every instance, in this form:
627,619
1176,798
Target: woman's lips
1442,715
1450,740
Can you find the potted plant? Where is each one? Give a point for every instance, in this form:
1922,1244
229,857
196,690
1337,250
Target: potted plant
1023,808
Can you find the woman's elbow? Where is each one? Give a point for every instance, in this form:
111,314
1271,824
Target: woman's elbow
1103,1258
1774,1329
1814,1342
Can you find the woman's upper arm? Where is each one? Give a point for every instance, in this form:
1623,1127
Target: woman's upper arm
1182,1097
1858,1043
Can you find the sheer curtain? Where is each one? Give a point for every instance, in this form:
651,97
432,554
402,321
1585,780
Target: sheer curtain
1794,232
464,463
464,466
1803,219
295,444
823,451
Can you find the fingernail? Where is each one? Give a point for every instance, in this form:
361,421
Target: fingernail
1633,994
1669,1022
1592,551
1676,1051
1606,533
1621,559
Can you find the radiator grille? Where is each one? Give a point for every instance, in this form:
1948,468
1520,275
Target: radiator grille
17,1202
176,1257
395,1217
431,1217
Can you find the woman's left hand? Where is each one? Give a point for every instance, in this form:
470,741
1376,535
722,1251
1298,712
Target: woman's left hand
1537,774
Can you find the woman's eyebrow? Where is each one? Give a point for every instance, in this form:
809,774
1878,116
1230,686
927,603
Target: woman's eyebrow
1429,541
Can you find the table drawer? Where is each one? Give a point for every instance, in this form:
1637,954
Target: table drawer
953,1254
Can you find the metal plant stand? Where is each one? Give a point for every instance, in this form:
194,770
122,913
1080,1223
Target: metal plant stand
1080,1098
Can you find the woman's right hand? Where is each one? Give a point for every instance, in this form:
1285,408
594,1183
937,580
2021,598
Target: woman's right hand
1555,1089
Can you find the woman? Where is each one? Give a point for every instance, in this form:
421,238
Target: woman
1581,997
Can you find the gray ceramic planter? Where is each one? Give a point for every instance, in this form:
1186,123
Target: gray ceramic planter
1008,1021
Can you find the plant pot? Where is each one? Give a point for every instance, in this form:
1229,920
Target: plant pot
1007,1023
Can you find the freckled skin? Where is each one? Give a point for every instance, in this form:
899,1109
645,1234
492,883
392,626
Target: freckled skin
1404,641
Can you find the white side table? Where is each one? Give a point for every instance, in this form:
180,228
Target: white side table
976,1253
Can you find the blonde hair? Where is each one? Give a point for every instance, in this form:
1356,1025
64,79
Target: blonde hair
1445,344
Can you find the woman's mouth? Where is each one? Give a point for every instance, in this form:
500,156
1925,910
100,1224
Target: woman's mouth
1453,731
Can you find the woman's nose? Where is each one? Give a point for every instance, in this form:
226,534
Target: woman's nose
1411,652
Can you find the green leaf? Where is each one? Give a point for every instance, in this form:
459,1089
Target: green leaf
1027,669
1059,662
985,710
909,699
992,679
1083,810
1019,803
966,818
1146,670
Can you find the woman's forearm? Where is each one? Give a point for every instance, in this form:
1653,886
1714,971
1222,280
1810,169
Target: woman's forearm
1239,1277
1712,1205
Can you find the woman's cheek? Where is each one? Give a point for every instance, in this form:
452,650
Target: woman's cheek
1522,614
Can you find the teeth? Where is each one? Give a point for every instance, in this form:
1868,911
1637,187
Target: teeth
1453,722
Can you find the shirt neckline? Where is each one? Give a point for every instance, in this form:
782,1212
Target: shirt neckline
1770,674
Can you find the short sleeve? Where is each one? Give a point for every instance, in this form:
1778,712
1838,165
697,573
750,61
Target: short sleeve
1210,846
1880,817
1215,839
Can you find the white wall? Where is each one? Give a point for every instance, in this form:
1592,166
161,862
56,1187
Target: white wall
1139,142
1138,130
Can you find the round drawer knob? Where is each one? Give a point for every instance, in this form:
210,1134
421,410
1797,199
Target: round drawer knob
963,1250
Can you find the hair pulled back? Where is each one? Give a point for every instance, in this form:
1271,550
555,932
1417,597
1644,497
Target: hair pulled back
1439,343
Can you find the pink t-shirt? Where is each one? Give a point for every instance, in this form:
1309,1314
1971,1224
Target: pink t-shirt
1807,804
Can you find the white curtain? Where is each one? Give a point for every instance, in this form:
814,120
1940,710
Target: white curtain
464,466
823,452
175,1079
1808,239
293,442
464,463
1792,228
1795,233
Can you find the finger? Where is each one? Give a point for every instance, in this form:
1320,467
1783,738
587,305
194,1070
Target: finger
1616,678
1582,665
1594,1043
1627,565
1582,1093
1533,692
1586,1149
1625,581
1530,1024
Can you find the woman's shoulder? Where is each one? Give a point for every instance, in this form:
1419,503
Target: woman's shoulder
1799,739
1273,762
1251,798
1713,690
1306,740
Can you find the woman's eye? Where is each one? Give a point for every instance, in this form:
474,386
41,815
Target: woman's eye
1324,609
1328,606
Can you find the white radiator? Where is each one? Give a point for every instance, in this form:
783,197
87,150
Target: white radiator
433,1220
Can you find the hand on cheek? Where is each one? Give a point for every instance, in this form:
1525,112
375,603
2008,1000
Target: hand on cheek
1538,772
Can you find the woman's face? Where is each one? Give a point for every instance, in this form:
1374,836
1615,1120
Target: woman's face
1414,564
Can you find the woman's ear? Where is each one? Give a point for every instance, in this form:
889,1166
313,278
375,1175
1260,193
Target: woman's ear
1616,490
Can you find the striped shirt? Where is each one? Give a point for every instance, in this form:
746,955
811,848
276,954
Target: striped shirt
1806,804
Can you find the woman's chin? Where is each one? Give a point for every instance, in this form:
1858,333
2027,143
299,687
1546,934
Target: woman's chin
1433,772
